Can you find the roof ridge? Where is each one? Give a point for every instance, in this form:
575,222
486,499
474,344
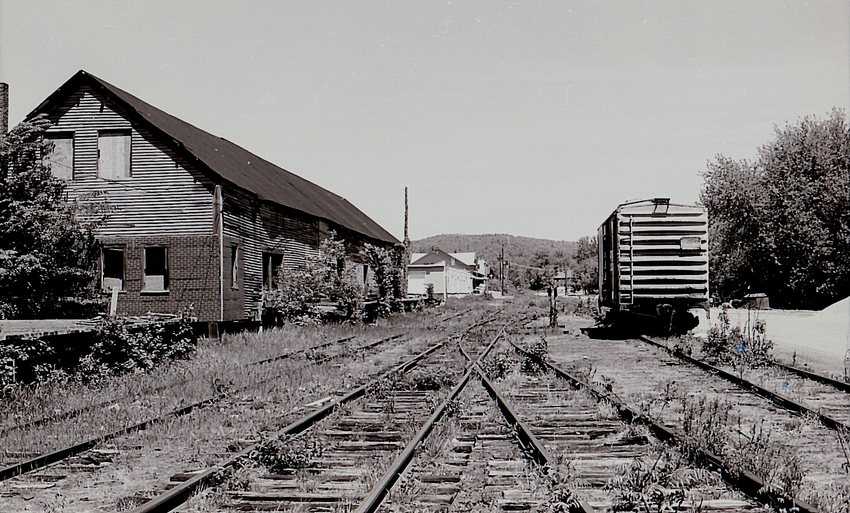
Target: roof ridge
227,161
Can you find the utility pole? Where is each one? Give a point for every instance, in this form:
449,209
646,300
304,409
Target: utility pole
502,267
406,242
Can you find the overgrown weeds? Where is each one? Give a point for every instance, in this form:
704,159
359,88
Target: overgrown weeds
709,426
747,348
287,454
499,365
536,354
661,481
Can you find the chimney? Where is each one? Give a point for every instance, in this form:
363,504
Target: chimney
4,108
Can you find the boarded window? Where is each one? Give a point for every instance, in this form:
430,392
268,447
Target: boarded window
271,264
60,154
113,155
234,267
113,268
156,270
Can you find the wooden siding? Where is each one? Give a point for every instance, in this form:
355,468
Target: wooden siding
258,228
164,194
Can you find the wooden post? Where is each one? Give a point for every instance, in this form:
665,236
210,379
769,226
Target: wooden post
113,304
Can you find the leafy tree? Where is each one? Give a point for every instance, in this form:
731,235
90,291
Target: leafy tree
781,225
586,265
325,277
387,271
48,249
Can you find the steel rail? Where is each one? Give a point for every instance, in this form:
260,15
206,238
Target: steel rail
181,493
376,496
379,492
775,398
820,378
60,454
742,480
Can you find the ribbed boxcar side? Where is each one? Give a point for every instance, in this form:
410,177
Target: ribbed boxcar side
654,258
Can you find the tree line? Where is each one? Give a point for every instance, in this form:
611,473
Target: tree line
780,224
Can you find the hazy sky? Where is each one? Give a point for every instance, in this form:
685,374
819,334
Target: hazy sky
529,118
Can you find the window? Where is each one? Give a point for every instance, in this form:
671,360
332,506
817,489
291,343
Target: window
156,270
113,155
112,264
271,264
234,267
60,154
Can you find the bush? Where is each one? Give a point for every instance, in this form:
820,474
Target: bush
116,346
499,366
323,289
124,345
537,353
287,454
747,348
22,360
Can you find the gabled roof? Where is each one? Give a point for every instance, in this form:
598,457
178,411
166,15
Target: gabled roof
438,256
226,161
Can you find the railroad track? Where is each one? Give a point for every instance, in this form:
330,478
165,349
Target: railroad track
552,446
359,432
98,457
94,453
669,390
797,390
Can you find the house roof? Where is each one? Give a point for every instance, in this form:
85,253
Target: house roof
438,256
230,162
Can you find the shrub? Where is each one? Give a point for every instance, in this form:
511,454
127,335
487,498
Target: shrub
22,360
746,348
387,270
324,278
286,454
537,353
499,365
126,345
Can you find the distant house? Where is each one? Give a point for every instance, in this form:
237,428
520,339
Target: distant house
197,219
449,273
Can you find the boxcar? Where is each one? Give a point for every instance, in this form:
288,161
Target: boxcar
653,265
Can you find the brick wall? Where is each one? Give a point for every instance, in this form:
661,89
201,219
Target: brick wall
193,277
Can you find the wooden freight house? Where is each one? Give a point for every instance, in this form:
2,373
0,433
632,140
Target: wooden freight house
196,219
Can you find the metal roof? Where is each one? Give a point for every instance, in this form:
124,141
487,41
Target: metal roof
230,162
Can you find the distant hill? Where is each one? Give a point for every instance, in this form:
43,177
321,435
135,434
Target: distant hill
518,250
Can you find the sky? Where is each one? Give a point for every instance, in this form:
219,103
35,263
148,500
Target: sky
532,118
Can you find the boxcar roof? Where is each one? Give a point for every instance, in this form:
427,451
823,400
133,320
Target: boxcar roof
230,162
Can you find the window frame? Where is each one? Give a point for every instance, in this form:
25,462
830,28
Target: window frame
145,274
234,266
103,135
103,276
51,137
270,270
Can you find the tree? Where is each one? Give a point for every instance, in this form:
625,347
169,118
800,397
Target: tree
781,225
387,270
733,196
324,278
48,250
586,266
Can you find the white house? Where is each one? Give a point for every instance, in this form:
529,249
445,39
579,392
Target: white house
448,273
